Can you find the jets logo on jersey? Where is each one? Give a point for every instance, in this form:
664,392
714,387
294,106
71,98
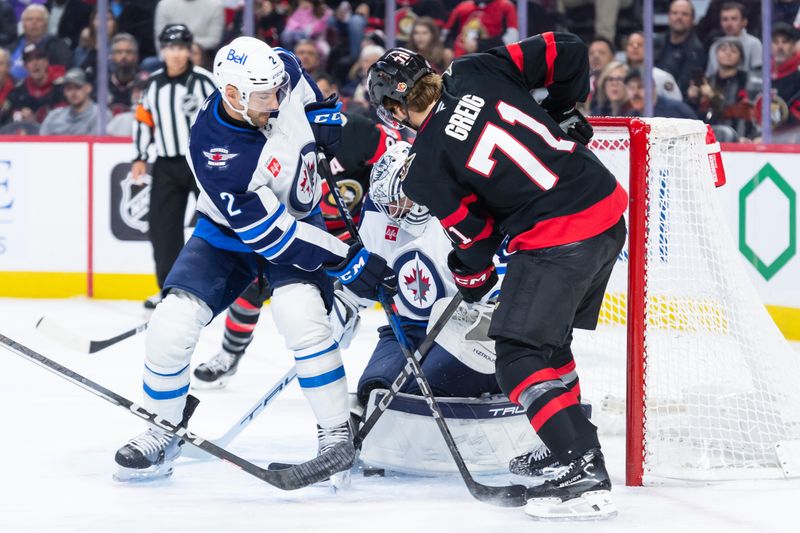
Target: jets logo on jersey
419,282
274,167
218,157
305,184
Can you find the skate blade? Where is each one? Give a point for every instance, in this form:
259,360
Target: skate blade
142,475
596,505
220,383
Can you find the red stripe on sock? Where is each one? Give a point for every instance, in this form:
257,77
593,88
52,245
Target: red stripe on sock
241,328
546,374
553,407
566,369
241,302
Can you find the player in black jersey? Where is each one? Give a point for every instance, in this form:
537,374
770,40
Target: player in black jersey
490,163
363,143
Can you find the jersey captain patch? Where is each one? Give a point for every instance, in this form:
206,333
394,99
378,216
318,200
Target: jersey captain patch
419,283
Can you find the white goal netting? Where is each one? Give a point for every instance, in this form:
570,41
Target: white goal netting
721,385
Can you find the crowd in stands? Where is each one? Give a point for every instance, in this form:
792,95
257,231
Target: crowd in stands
707,65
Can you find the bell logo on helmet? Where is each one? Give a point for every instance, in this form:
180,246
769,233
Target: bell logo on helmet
238,59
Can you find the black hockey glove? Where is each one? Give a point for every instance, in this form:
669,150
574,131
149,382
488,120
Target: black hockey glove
325,118
574,124
473,286
364,274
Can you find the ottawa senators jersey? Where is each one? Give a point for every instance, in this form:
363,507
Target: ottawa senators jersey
490,162
363,143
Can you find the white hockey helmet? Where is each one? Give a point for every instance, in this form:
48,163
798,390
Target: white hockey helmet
256,70
386,190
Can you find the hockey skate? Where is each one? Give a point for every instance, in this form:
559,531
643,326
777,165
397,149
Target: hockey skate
536,462
333,441
217,371
581,491
150,455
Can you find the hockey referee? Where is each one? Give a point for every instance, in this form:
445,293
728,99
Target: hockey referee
164,115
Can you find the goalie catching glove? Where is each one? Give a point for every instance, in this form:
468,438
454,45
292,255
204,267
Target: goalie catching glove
465,335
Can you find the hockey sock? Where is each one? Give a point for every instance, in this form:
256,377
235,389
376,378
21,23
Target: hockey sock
242,319
320,373
525,375
564,364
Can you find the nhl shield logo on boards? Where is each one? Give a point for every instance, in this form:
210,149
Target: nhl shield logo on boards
218,157
129,204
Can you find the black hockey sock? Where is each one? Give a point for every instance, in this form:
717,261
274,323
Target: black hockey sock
564,364
524,374
242,319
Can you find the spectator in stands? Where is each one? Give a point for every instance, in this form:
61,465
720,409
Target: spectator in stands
20,5
605,14
679,51
734,24
357,88
199,57
611,97
308,21
204,18
327,86
708,28
80,116
427,41
34,31
136,18
726,98
37,94
665,82
123,69
8,24
601,53
477,26
784,11
86,52
121,124
662,107
6,85
270,21
409,11
309,56
67,19
785,83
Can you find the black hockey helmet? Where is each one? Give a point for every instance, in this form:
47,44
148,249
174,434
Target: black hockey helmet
175,34
392,76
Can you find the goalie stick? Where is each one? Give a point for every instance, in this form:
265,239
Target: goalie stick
295,477
248,417
506,496
69,338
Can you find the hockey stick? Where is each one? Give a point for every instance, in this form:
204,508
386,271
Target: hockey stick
507,496
248,417
69,338
296,477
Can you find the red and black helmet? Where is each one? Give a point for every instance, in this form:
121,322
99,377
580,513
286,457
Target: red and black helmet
392,76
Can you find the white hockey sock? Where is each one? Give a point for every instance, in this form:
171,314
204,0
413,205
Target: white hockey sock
165,390
322,379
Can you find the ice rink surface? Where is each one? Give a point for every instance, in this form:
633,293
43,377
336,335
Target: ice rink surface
58,441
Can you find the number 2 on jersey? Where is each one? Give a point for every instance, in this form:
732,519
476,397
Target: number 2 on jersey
493,136
229,198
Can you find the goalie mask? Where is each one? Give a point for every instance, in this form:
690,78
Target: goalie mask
386,190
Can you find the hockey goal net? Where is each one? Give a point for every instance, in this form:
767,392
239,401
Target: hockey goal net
686,360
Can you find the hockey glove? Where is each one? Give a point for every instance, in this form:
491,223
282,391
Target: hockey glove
325,118
364,274
473,286
574,124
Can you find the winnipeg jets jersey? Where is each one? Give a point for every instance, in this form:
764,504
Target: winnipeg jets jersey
420,262
257,185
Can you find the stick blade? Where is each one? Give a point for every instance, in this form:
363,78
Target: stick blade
54,331
508,496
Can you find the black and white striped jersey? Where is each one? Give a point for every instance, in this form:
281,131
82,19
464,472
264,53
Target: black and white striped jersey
167,109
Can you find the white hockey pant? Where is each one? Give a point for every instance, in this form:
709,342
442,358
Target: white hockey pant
173,332
299,314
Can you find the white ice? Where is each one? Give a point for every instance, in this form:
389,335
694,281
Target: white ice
58,442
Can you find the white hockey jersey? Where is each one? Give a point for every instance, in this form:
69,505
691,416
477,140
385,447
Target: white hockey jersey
256,186
420,262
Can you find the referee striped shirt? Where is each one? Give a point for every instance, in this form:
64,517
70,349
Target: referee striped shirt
167,109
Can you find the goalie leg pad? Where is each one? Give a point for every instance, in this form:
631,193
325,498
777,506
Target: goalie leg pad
449,377
465,335
171,338
300,316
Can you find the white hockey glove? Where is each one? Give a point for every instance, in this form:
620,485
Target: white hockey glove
465,335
